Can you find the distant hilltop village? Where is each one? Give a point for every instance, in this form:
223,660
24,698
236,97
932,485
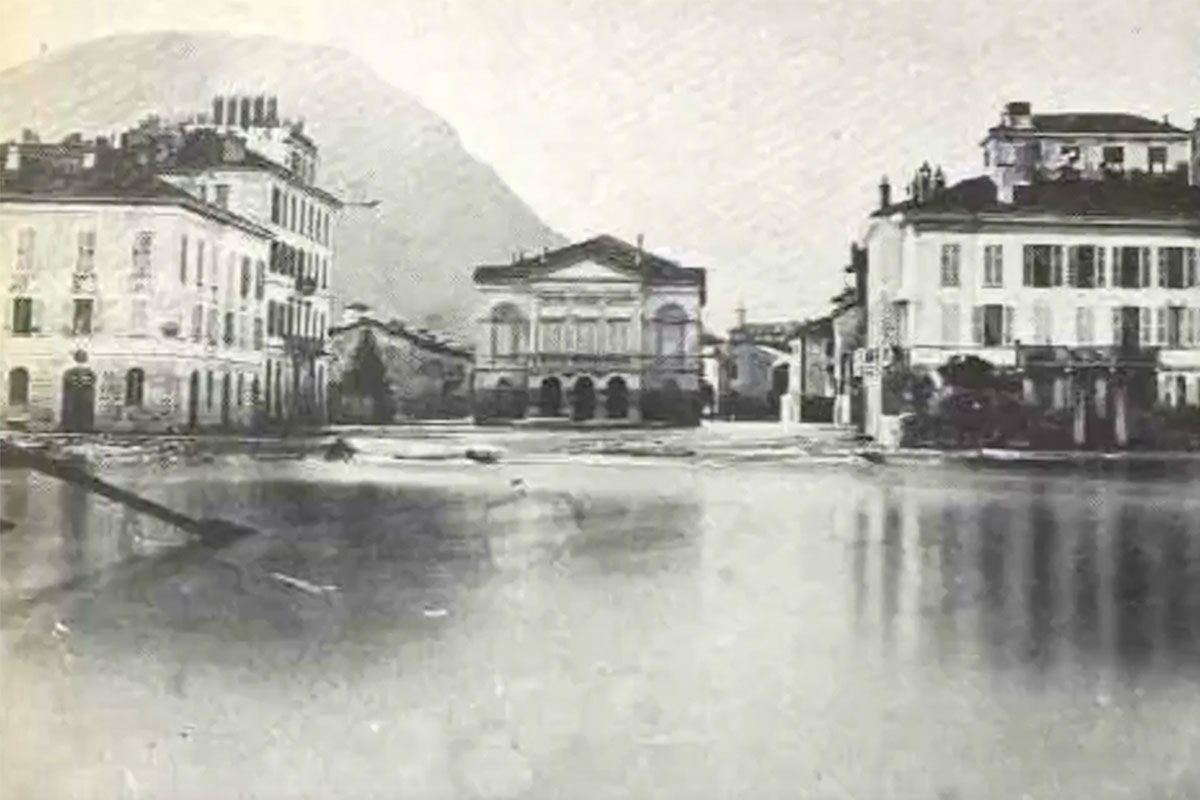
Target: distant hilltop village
179,276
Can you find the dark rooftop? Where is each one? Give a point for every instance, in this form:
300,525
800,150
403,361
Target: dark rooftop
1101,122
603,249
1147,198
46,176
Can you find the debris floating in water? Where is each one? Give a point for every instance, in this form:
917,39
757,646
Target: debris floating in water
303,585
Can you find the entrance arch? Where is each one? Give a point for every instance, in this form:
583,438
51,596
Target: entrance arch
550,397
672,401
583,397
616,398
79,400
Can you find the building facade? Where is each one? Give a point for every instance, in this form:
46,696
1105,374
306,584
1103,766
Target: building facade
1088,290
128,304
812,382
246,159
1026,147
600,329
425,375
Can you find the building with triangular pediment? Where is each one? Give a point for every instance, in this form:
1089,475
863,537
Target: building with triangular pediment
597,330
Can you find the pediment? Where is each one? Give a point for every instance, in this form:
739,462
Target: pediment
589,271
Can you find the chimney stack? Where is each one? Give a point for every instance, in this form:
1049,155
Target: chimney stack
885,193
741,315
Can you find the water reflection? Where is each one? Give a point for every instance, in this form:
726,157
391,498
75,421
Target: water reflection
1064,573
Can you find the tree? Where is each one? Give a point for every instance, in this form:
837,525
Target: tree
367,378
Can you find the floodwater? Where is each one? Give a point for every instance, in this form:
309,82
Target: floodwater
606,629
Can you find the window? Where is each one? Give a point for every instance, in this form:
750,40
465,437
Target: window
1070,153
143,245
247,277
1176,333
509,330
1082,267
276,202
85,256
950,323
1114,158
214,321
586,339
951,261
1172,268
208,391
197,322
1157,158
183,260
992,325
260,280
199,263
241,387
229,336
618,336
258,333
292,218
1131,267
203,193
1043,324
135,387
26,240
993,265
22,316
325,273
1043,265
222,199
1084,325
81,321
671,323
18,386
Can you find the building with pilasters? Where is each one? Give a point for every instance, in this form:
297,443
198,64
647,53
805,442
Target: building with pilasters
598,330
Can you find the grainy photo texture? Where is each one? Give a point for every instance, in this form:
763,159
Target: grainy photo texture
586,399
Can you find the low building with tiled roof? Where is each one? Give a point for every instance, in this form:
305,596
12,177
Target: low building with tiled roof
597,330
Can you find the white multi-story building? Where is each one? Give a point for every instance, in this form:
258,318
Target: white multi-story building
1025,147
596,330
128,304
244,158
1091,288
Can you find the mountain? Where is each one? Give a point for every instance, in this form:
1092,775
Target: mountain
440,210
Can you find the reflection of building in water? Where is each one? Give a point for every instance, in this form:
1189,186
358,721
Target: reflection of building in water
1048,577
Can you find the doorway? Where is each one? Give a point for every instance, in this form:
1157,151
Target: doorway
616,401
79,400
550,397
584,399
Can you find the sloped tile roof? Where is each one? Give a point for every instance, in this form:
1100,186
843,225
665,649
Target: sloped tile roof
1101,122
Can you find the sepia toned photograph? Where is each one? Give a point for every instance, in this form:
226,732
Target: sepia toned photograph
599,399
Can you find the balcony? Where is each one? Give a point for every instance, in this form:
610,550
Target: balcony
594,362
1112,356
306,285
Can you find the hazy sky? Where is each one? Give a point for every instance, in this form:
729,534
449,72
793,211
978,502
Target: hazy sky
743,135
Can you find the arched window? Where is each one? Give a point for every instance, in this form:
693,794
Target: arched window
18,386
135,386
670,331
510,330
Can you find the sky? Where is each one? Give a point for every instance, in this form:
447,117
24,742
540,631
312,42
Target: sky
745,136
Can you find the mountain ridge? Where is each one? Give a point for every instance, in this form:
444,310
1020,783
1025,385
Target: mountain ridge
441,210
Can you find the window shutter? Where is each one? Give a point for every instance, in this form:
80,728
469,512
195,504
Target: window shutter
1056,261
1009,314
1160,328
1116,325
1162,266
38,316
1028,265
1101,268
1191,278
1144,263
1072,265
1147,326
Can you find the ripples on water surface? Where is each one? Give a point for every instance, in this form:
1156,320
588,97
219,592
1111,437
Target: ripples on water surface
612,631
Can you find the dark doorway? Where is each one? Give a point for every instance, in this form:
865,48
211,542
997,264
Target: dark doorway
583,404
226,402
1131,338
672,401
79,400
616,400
779,387
550,397
193,412
509,400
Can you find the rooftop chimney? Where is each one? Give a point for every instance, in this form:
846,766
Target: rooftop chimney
741,315
885,193
1018,114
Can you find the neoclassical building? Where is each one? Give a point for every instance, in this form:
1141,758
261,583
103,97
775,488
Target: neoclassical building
597,330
